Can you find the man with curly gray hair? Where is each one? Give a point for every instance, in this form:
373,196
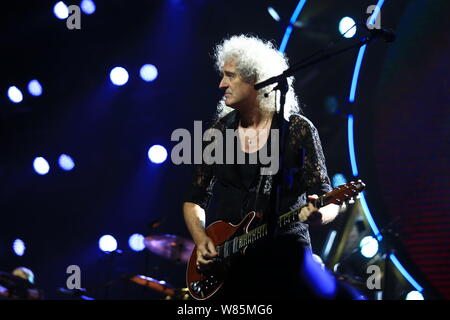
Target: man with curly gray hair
254,60
240,188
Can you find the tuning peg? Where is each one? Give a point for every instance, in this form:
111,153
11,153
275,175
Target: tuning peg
358,196
351,201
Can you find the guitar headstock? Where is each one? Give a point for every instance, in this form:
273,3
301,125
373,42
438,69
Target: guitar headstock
345,192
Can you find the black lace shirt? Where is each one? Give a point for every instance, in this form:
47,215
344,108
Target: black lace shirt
241,188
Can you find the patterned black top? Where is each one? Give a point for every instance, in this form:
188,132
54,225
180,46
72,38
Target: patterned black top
239,188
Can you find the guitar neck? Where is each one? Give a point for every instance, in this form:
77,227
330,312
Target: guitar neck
236,244
337,196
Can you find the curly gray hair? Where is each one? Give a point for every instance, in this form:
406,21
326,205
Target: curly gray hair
256,60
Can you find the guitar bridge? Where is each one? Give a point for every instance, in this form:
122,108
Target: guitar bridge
205,287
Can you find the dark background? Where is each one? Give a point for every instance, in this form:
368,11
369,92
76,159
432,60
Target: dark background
401,127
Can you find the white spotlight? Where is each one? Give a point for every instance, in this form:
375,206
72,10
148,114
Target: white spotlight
107,243
369,246
14,94
41,165
66,162
347,27
157,154
414,295
136,242
119,76
88,6
148,72
34,88
19,247
61,10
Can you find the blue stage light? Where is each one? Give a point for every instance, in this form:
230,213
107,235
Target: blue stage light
331,104
14,94
41,166
107,243
136,242
119,76
35,88
157,154
61,10
19,247
88,6
273,13
148,72
351,145
66,162
347,27
338,179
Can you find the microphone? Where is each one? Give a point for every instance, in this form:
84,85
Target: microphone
386,34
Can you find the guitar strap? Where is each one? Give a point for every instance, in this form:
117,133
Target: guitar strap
266,180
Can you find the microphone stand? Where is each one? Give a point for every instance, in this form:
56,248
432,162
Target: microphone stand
282,85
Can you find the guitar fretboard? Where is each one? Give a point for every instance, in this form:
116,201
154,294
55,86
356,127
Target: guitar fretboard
236,244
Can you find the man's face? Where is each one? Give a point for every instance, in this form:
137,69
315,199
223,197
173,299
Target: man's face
238,93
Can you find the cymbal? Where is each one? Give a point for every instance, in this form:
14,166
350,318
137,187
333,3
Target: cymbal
163,287
170,246
15,287
157,285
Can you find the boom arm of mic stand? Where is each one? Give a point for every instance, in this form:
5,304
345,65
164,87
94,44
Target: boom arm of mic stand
298,66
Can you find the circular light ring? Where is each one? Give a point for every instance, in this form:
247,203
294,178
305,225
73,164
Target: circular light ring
366,211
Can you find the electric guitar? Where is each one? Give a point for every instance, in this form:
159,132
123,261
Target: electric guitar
231,240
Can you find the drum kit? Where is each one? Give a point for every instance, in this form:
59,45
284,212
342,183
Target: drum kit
174,248
19,285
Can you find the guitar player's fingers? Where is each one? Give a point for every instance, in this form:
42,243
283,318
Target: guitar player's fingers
315,218
204,256
313,197
201,257
212,249
306,212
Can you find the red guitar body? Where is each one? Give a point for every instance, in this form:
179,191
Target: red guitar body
204,285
